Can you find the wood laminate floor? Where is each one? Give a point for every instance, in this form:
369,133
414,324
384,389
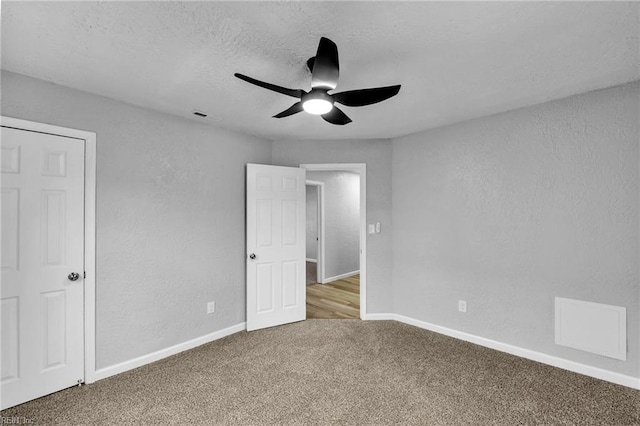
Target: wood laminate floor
336,300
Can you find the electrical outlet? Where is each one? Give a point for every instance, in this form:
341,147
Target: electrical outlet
462,305
211,307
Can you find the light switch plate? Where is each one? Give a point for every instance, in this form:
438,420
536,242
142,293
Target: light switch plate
372,228
211,307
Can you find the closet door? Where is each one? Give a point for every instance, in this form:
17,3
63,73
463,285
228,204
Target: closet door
42,264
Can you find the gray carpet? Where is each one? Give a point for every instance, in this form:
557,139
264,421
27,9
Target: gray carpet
344,372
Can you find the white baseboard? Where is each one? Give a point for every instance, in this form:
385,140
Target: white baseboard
379,317
112,370
341,276
576,367
312,260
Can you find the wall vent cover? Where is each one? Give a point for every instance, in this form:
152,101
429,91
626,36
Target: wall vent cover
592,327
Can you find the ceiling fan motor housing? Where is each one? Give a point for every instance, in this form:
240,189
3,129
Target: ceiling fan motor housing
317,94
317,102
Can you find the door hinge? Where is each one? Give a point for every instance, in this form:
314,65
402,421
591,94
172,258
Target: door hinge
85,275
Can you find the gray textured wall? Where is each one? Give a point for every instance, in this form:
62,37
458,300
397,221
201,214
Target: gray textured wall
312,222
508,211
376,153
341,221
505,212
170,216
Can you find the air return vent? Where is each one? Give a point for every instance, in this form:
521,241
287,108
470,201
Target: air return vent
592,327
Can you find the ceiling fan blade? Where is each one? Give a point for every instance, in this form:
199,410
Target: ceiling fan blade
291,92
362,97
335,116
326,70
293,109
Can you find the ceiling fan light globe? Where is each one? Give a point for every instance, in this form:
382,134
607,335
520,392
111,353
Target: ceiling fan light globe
317,106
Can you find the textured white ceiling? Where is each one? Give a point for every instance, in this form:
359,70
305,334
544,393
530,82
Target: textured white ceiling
455,60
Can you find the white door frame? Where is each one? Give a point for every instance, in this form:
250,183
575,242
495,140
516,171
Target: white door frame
89,282
320,264
361,169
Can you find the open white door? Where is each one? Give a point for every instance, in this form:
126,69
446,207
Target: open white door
42,264
276,286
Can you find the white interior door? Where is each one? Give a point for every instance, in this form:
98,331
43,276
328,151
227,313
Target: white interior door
276,251
42,244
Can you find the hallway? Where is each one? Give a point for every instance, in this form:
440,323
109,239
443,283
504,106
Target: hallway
336,300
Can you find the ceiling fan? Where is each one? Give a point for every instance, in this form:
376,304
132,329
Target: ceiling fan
325,71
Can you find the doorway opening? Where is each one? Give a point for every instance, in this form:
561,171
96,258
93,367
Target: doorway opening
314,231
335,228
